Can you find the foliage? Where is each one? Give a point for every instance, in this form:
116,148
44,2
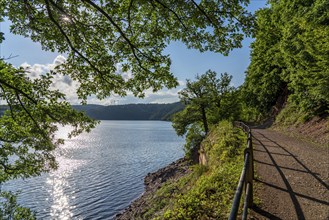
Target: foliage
251,114
9,209
100,35
264,84
207,192
292,114
193,138
208,100
204,95
290,52
211,194
27,128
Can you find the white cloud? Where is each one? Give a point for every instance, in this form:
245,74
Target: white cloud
67,86
59,60
60,82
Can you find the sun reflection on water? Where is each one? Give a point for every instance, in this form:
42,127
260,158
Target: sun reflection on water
61,190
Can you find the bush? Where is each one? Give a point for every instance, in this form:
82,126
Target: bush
194,137
291,115
207,192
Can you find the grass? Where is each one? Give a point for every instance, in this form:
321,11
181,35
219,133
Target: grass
208,191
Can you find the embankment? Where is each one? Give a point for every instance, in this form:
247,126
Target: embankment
152,182
199,191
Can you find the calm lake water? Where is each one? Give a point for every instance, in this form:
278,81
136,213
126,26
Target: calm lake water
101,172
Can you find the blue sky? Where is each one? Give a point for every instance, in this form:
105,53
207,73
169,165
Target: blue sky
186,63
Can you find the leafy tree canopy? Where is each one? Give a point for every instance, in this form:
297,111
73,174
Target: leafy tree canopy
208,99
202,97
27,129
99,35
264,83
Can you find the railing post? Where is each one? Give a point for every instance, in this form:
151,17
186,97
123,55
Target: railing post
246,178
250,170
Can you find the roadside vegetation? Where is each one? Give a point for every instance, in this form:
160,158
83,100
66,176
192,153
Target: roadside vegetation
288,78
206,192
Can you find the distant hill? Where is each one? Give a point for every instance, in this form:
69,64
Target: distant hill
131,111
126,112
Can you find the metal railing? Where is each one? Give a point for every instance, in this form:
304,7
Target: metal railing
246,178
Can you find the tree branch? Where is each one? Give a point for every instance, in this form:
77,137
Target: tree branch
18,90
172,11
70,43
203,12
131,45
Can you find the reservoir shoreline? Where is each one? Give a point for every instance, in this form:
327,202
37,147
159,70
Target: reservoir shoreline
152,182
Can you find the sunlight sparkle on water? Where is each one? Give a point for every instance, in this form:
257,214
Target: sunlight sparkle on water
58,182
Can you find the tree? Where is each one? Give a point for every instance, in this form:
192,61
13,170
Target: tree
27,128
99,35
202,95
290,57
204,99
264,84
305,46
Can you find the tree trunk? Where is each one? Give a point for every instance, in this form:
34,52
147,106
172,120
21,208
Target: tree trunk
204,119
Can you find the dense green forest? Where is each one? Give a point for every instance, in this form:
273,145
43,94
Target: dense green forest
290,59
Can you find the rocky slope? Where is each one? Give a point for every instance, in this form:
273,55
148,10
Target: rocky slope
154,181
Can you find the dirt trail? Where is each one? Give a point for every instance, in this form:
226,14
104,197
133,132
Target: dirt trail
292,178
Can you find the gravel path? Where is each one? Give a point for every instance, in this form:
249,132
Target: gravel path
292,178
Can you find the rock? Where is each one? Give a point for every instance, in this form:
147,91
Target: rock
153,182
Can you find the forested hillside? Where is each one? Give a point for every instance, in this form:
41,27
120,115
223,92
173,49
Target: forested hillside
290,59
126,112
131,111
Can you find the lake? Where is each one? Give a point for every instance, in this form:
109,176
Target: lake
100,172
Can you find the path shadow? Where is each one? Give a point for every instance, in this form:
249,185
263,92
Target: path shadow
264,213
297,206
322,182
267,144
286,168
297,194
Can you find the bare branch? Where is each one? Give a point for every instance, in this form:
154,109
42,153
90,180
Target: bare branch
10,57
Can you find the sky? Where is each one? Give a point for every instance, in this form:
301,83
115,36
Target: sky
186,64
